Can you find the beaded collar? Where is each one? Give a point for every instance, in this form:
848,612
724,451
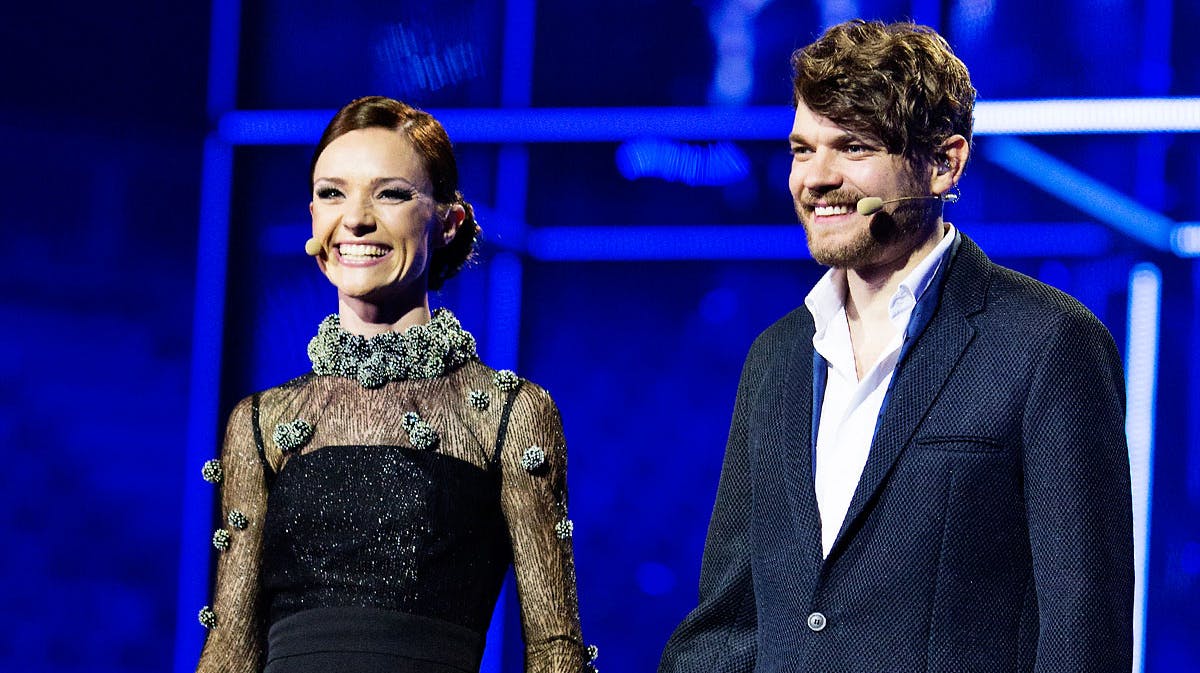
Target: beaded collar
419,352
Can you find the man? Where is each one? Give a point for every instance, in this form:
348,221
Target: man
926,469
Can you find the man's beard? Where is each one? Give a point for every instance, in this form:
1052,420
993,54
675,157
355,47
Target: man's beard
866,247
860,249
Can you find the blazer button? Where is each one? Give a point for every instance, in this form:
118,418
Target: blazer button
816,621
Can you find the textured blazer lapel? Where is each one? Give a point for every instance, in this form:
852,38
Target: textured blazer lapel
920,377
796,409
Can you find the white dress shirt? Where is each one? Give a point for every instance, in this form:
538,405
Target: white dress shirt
851,406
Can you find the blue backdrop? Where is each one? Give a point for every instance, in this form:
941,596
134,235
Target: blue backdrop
629,164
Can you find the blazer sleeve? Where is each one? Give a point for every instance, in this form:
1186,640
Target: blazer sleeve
720,634
1077,495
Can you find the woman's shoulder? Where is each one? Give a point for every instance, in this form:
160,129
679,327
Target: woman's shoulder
513,394
252,405
289,387
502,380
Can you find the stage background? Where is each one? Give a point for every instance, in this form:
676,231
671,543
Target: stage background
629,164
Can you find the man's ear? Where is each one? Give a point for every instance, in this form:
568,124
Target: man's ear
948,164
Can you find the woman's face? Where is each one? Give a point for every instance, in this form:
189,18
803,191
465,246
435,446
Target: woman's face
374,214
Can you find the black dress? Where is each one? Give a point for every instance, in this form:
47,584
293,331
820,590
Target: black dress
373,507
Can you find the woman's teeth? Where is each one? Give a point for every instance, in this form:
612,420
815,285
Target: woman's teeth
361,250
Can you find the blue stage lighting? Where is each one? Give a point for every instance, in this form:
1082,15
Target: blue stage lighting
542,125
1185,240
413,59
1082,191
720,163
1141,382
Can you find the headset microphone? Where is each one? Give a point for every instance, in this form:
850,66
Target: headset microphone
313,247
873,204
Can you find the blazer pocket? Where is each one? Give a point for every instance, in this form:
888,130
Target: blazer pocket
960,444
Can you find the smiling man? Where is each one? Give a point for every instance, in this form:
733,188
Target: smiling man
926,469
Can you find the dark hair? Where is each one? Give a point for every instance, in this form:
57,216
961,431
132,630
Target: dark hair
433,144
898,83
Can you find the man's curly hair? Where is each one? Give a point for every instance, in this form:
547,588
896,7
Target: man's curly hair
899,84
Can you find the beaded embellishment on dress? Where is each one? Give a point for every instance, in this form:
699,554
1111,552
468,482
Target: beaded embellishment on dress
419,352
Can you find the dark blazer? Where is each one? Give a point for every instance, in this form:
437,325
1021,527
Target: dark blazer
991,528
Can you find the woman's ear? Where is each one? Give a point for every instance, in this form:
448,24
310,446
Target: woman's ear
450,220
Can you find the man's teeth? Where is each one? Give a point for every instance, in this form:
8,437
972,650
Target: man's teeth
823,211
361,250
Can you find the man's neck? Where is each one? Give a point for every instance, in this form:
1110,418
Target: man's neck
869,289
869,292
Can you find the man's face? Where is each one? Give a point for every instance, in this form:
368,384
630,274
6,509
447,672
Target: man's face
832,168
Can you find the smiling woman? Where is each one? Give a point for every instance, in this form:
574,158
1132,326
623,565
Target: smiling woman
377,224
371,508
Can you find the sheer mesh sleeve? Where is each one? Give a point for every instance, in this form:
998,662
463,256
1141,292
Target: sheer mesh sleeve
534,500
235,638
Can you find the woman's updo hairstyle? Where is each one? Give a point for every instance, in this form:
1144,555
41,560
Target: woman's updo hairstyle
433,144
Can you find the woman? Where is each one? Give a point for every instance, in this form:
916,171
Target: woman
371,508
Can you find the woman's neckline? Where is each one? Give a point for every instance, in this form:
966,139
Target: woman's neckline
422,351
